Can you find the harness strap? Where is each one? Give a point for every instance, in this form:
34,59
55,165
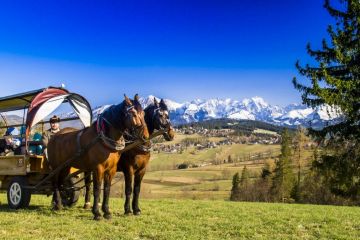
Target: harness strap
145,148
78,137
107,121
110,143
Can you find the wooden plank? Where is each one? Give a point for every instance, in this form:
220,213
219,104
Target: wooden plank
38,164
13,165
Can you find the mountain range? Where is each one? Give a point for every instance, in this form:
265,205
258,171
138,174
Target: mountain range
255,108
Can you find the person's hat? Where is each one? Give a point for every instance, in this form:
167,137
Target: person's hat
54,119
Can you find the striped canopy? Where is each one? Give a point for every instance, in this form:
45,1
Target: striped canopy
41,103
44,103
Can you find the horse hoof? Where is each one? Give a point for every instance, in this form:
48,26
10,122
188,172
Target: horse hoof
107,216
97,217
87,206
128,213
137,213
57,208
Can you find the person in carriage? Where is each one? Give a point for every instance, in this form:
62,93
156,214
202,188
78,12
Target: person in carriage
54,128
10,145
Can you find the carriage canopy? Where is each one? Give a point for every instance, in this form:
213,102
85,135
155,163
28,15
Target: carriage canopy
41,103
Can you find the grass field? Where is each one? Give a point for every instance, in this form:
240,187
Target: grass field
170,210
183,219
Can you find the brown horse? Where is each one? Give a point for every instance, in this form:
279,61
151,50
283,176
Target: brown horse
97,149
133,163
130,137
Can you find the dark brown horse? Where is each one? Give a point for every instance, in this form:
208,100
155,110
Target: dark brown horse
130,137
133,163
97,150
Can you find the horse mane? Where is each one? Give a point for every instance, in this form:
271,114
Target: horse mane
149,111
115,114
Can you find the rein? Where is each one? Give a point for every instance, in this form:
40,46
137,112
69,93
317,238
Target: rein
130,138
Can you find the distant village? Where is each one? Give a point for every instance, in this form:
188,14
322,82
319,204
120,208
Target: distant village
207,139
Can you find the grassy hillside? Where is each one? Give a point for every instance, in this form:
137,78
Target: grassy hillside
166,161
212,181
208,182
183,219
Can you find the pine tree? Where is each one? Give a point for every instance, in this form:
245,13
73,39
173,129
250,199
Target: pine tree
235,187
230,159
266,171
299,141
335,81
244,180
283,179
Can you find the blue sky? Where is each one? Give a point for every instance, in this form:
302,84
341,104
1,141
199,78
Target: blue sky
180,50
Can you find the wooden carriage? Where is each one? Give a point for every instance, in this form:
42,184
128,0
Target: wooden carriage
28,173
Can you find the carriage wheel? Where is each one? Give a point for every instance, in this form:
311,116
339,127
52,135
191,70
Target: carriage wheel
69,195
17,195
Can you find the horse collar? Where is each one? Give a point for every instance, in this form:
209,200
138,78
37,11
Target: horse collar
108,142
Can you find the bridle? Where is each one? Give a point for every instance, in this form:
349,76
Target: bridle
157,112
114,145
132,135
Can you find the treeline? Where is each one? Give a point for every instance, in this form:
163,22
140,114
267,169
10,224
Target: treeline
291,179
240,126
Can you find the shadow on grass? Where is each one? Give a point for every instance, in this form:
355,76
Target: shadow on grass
76,212
6,208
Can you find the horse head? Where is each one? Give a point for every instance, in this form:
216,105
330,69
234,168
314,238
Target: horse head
157,116
133,116
144,133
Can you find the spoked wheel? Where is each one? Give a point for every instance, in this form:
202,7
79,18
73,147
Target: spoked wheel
69,193
17,195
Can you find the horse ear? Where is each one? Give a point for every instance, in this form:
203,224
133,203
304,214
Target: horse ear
137,103
137,98
156,103
163,104
127,100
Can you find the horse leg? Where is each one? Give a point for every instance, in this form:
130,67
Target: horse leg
56,195
87,180
97,176
137,187
128,173
107,185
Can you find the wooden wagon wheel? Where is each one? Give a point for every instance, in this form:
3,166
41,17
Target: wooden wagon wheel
17,195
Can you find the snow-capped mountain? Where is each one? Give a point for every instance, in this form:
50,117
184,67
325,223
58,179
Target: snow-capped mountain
255,108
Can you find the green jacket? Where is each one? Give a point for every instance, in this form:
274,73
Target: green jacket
47,135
